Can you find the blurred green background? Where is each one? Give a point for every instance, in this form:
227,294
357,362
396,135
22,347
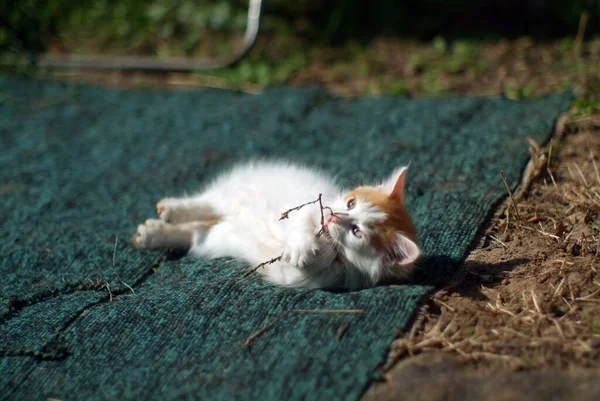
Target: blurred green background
514,48
146,26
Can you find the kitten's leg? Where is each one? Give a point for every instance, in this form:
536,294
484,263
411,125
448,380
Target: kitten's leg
185,210
158,234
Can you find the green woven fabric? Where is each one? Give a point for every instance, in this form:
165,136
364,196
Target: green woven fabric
81,166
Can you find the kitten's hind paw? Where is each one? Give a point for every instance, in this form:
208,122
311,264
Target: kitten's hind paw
181,210
146,232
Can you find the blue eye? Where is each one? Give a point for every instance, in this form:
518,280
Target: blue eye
356,231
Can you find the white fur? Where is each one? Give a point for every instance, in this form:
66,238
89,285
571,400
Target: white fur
247,203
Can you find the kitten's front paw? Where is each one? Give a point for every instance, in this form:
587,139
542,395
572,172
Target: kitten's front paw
146,233
301,253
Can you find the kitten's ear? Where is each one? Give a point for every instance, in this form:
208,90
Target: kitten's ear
394,185
405,251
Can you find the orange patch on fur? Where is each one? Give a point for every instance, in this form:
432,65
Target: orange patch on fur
397,220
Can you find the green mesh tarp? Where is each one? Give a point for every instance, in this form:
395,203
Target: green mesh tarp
84,315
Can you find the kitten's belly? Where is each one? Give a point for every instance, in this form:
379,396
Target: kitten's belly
251,202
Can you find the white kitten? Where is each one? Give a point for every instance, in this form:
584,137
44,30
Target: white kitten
367,235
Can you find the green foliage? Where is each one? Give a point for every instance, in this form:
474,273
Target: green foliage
262,72
181,25
464,54
119,24
585,106
398,88
519,92
440,45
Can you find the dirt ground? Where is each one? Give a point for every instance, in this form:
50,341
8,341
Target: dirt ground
521,320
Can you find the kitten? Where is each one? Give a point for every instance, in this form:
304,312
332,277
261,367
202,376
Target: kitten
367,236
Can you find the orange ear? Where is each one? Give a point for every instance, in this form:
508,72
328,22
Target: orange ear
394,186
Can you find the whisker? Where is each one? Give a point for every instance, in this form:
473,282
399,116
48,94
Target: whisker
332,248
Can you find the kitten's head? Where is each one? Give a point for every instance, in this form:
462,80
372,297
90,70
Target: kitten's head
373,230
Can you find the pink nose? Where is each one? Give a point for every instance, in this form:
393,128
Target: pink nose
333,220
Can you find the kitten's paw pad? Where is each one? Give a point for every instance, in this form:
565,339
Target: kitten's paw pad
146,233
140,238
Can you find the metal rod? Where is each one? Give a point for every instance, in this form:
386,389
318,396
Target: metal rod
181,64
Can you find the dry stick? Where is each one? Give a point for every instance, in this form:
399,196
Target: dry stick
285,215
269,326
341,331
266,327
110,295
595,169
113,265
115,250
548,164
322,230
585,183
249,272
437,301
328,310
533,170
512,199
127,285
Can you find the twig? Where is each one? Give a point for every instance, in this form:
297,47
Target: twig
558,288
512,199
548,164
266,327
535,302
596,169
110,295
587,296
437,301
341,331
268,262
495,239
115,250
285,214
322,230
585,183
127,285
328,310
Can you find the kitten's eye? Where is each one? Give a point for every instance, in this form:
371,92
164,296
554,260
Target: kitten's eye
351,203
356,231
